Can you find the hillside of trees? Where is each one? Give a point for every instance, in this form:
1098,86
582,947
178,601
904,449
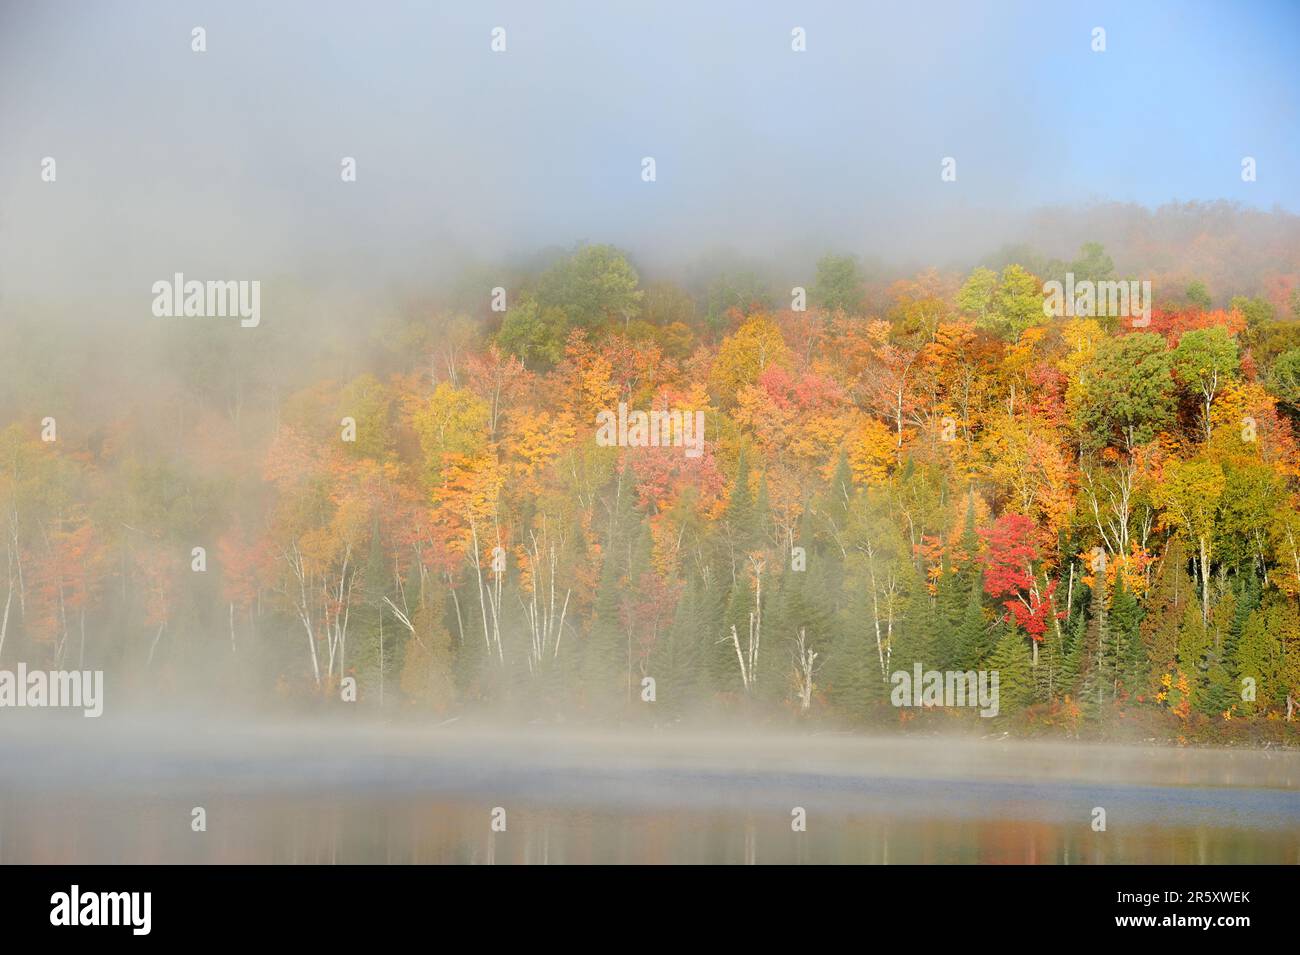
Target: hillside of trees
919,468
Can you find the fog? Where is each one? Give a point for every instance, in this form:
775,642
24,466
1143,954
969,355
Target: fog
182,514
227,162
342,793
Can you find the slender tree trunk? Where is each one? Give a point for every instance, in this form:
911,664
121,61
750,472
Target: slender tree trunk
154,646
455,600
740,658
4,621
1205,580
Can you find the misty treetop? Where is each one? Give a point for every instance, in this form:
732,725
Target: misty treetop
896,471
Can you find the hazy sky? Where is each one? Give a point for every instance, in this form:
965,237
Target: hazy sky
227,163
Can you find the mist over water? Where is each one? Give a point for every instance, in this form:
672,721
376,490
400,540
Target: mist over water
336,792
226,672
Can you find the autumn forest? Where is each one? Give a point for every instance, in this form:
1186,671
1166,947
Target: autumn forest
409,512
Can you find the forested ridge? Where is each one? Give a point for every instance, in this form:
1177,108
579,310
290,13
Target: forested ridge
917,468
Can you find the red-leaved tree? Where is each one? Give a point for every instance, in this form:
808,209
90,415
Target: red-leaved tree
1009,575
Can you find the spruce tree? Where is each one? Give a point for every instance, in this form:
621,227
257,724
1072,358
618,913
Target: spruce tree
1248,601
1125,616
1259,657
852,672
740,516
946,618
917,637
1162,621
426,677
976,637
1072,661
603,657
606,653
1195,642
675,659
840,494
764,528
1096,687
1013,662
1219,695
799,602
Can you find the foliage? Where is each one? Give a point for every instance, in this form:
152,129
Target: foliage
923,469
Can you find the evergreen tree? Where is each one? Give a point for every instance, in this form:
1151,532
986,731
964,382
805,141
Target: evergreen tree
426,675
799,602
1260,655
740,516
1195,641
1165,609
764,528
1220,694
1072,661
1125,617
605,660
1098,683
1217,694
976,636
1014,664
917,637
840,494
949,605
1247,602
852,673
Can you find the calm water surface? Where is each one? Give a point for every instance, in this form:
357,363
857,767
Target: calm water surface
376,795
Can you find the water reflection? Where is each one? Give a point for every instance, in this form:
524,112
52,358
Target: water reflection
342,793
324,831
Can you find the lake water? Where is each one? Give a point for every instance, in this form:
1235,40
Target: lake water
337,793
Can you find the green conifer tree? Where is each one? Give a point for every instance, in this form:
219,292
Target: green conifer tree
1013,662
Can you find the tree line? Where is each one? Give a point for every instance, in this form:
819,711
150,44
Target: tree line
896,470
